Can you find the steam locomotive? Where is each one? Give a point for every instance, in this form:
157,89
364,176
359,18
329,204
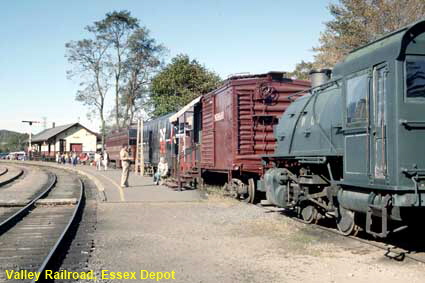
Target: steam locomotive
352,149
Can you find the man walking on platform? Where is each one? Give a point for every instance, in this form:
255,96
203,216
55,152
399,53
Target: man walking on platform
98,160
105,159
125,163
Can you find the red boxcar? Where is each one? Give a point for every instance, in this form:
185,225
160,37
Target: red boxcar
230,128
116,139
237,125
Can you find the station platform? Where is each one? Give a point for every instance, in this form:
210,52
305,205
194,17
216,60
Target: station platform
141,188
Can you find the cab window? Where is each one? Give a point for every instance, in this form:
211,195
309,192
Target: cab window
415,78
357,89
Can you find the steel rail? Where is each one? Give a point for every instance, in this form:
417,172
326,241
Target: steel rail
399,254
61,239
14,218
20,173
4,171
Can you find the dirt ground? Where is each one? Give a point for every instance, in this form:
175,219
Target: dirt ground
222,240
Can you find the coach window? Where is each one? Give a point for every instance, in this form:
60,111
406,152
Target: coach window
415,78
357,89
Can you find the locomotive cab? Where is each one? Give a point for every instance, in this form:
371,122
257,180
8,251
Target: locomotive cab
384,96
384,128
353,149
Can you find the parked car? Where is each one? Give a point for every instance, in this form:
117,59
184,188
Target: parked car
17,155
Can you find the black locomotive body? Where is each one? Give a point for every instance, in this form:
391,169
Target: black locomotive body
158,141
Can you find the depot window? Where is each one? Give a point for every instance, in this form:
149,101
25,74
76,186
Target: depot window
415,78
357,89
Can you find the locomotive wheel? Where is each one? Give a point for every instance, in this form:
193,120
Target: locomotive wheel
308,213
345,221
250,196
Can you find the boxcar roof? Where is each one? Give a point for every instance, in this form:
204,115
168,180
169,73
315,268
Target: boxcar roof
175,116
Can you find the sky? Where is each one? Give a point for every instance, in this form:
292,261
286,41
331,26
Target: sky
228,37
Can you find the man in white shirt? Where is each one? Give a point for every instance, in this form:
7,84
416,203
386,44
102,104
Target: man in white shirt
105,160
97,160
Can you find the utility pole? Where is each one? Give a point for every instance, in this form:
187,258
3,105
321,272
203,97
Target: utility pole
30,136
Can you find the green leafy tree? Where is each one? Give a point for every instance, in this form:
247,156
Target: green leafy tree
12,141
357,22
180,82
301,71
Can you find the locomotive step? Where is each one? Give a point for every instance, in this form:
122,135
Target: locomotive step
186,176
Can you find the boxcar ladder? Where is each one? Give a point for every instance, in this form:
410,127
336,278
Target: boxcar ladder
139,167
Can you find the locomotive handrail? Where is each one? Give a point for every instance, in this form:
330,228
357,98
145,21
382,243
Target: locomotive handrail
413,124
296,122
289,97
328,139
318,88
413,171
312,160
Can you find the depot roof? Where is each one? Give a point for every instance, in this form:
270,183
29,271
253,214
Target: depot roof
50,133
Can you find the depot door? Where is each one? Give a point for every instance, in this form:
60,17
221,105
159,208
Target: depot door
62,144
378,124
77,147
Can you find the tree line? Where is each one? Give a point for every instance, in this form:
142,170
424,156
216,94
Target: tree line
121,59
355,23
12,141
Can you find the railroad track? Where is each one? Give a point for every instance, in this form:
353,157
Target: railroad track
3,170
35,236
390,246
8,174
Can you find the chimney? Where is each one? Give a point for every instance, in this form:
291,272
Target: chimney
319,77
53,124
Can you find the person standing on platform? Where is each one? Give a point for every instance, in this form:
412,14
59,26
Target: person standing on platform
98,160
71,156
125,163
74,159
105,159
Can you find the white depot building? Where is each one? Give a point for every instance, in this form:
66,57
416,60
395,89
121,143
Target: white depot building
67,138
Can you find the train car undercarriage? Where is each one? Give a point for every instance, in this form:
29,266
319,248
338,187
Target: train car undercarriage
312,193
